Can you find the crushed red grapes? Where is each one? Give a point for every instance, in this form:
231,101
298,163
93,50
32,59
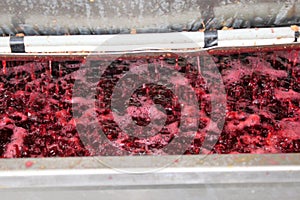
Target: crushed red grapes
262,111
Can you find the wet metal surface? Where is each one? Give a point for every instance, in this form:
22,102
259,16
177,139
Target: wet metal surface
37,17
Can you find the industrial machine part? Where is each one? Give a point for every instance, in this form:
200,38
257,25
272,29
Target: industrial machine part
45,41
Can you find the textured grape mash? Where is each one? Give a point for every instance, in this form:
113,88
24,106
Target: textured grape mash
262,111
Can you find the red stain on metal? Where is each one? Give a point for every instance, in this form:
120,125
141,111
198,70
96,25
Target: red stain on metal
28,164
272,30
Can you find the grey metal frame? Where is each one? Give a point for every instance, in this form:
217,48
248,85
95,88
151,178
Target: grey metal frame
241,176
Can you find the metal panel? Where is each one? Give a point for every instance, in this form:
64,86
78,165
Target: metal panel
144,172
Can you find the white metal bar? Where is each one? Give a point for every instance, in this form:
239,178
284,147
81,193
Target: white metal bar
255,37
114,43
128,43
4,45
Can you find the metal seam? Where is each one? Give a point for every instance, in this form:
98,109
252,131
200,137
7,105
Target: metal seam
297,35
17,44
210,39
